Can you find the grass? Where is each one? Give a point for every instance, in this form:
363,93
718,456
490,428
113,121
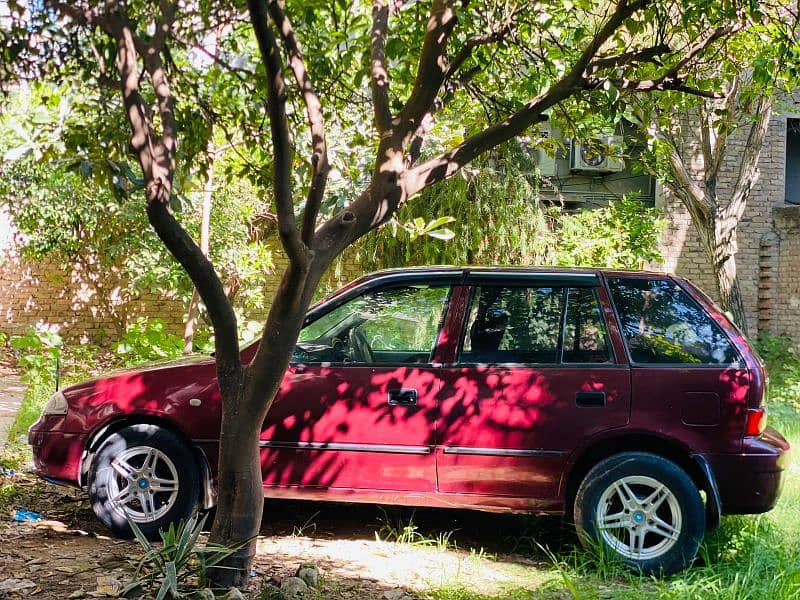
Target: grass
748,557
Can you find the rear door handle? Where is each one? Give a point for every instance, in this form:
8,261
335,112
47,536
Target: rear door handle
590,399
403,397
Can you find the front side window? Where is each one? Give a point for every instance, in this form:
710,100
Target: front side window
514,325
392,325
662,324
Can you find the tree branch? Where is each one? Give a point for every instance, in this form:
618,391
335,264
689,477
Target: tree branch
316,121
694,196
630,57
239,72
296,250
163,25
156,157
718,154
706,143
447,164
163,152
480,40
379,79
672,78
430,71
748,171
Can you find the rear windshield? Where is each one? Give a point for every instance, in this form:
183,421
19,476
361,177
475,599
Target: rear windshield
662,324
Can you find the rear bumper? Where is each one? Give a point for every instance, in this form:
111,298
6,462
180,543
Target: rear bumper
56,455
751,482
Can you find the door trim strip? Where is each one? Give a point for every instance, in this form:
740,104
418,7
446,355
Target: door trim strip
474,451
382,448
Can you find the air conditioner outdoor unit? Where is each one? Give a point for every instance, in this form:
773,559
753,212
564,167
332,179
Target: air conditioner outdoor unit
551,161
598,155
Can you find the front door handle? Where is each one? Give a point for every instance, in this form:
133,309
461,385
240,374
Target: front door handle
403,397
590,399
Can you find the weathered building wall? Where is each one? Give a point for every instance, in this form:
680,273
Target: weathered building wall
763,272
70,299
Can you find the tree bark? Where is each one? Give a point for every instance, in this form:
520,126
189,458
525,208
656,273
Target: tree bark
240,496
240,502
718,234
730,293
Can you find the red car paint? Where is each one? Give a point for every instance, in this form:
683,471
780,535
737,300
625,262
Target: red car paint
494,437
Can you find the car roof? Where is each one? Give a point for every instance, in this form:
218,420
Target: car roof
500,270
474,274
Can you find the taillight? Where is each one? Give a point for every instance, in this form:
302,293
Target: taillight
756,421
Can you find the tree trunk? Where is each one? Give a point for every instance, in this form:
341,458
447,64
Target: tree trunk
205,234
191,323
240,496
718,233
240,501
730,294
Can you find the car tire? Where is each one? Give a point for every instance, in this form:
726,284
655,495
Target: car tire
146,473
642,509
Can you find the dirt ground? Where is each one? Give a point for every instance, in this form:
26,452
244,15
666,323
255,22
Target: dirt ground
11,391
69,554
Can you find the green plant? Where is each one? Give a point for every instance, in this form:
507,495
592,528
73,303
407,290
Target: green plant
401,532
39,354
497,218
166,571
309,525
147,340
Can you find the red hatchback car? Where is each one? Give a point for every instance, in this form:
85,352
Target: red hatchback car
625,399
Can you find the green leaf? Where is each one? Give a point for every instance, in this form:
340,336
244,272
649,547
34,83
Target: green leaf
170,583
442,234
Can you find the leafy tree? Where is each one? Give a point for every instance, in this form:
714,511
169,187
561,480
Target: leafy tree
750,70
501,221
417,61
61,197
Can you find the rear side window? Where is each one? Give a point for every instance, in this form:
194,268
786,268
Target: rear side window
585,335
662,324
514,325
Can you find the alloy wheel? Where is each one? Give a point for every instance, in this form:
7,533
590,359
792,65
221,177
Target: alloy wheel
639,517
142,484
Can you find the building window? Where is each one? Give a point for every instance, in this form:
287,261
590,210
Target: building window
792,171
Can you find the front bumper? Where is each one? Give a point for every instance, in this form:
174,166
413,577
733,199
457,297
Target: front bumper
750,482
56,454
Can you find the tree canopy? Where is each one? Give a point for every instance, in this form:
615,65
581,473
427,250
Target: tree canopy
343,112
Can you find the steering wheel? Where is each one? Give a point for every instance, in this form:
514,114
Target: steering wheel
359,348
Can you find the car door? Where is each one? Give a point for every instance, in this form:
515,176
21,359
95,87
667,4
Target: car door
535,376
689,380
357,408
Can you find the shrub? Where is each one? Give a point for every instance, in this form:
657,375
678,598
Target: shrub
147,340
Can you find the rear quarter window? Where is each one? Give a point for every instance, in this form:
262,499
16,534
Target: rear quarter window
662,324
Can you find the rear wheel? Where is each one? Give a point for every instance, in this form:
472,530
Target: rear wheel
642,508
145,473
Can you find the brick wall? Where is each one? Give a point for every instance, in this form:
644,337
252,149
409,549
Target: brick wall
683,252
78,304
787,221
71,299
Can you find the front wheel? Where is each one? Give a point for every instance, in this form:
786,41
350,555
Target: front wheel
642,508
146,474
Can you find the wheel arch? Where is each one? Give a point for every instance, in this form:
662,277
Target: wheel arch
694,465
99,435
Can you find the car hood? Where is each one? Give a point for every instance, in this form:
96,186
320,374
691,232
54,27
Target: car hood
166,363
